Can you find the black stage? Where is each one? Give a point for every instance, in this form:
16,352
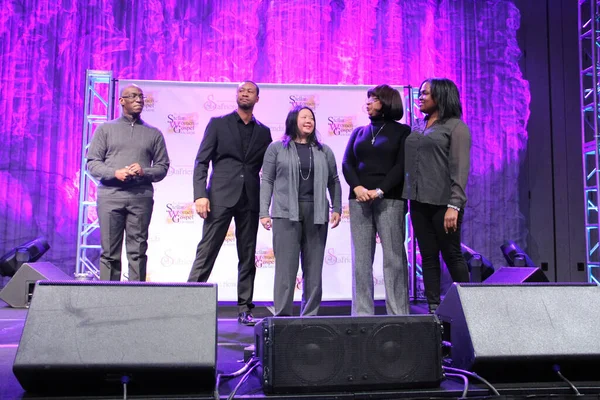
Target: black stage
233,338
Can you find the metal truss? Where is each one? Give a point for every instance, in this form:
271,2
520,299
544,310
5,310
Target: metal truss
589,40
98,108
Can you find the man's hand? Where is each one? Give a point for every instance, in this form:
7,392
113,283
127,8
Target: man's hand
122,174
135,169
266,223
202,207
335,219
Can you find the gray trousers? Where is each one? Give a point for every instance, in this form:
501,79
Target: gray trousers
129,216
385,217
293,240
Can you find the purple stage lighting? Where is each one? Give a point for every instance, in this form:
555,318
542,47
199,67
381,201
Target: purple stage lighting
480,268
28,252
515,257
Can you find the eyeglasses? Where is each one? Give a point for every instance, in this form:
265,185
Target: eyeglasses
134,96
371,101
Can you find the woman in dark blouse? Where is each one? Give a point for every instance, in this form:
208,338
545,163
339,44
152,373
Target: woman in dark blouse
374,168
437,168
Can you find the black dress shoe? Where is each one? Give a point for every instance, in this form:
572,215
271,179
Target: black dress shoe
245,318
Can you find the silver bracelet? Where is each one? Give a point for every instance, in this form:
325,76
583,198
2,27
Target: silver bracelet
453,207
379,193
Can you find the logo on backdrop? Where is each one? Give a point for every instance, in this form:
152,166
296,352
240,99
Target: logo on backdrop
218,105
264,258
378,280
277,130
230,236
341,125
149,101
310,100
182,124
180,213
180,170
169,259
331,258
345,217
154,238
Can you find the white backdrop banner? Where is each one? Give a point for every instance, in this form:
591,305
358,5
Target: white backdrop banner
181,110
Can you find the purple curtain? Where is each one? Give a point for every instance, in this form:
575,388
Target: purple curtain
46,47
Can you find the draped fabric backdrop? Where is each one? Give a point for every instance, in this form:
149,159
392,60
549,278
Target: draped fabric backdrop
46,47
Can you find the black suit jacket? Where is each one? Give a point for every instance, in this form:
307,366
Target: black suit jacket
231,168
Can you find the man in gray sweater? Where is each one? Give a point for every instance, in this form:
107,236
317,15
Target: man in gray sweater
126,155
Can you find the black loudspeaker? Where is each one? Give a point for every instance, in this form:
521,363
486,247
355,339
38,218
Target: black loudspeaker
91,337
520,333
349,353
17,292
517,275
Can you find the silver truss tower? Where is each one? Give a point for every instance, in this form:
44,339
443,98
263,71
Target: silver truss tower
589,40
98,108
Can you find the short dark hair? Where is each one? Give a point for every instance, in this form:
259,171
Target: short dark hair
445,94
391,103
291,127
252,82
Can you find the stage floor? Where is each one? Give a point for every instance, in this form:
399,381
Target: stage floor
233,338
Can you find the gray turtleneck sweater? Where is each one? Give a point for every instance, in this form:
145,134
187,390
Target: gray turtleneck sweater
122,142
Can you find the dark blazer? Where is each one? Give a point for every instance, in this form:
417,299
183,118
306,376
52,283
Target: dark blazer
231,169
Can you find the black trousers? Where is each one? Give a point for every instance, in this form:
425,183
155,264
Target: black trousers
213,235
428,225
119,216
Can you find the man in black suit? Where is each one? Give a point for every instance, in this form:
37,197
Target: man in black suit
235,144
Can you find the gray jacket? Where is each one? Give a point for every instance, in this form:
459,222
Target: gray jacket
281,179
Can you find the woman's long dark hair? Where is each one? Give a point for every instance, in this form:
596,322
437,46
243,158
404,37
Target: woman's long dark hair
291,128
391,102
445,94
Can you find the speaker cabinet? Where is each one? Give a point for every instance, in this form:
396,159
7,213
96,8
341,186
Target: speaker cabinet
87,337
343,353
518,333
17,292
517,275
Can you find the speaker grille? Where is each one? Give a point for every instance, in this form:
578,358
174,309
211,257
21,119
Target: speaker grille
390,345
315,354
82,337
519,332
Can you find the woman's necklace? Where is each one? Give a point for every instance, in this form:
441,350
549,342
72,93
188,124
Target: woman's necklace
375,135
309,165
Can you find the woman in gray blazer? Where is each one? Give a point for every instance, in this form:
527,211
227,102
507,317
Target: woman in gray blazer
297,172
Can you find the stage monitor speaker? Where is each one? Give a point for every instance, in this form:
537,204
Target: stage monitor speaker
89,337
18,291
349,353
519,333
517,275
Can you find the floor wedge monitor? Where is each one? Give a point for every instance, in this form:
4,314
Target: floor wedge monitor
91,337
18,291
517,275
523,332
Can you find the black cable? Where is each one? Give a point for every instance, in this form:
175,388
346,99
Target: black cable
465,381
242,380
235,374
556,369
474,375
